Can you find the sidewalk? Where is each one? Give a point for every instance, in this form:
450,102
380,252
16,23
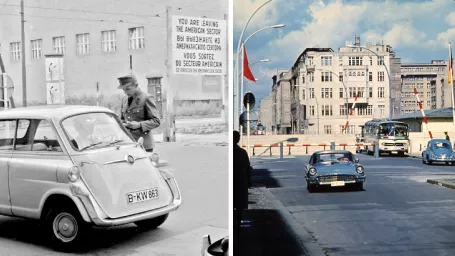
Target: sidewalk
264,231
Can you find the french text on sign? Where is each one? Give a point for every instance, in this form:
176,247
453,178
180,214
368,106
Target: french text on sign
198,46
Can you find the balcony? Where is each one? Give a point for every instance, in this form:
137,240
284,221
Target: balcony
310,67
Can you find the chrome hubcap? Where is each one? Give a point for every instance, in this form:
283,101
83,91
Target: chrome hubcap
65,227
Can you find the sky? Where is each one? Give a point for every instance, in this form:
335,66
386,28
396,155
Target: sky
418,30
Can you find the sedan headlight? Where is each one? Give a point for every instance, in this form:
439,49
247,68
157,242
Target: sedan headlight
359,169
312,171
74,173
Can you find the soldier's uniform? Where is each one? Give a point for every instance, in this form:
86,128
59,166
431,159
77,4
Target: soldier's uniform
141,108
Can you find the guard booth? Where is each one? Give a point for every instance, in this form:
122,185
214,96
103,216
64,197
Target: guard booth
154,88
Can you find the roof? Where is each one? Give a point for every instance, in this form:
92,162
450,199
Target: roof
435,113
50,111
304,53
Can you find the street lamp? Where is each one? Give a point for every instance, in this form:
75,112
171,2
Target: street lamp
264,60
388,76
241,51
236,82
345,88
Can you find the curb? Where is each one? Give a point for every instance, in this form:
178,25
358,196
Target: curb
308,244
413,156
441,183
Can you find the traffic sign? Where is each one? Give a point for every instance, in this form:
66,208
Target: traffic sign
249,100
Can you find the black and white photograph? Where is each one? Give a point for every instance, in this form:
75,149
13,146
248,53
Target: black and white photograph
114,127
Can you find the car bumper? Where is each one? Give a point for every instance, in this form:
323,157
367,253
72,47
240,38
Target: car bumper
317,181
99,218
442,160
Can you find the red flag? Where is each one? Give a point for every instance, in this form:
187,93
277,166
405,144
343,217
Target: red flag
246,68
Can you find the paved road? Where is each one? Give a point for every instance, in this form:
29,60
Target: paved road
204,186
398,213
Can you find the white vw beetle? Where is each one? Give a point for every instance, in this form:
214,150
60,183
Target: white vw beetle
76,166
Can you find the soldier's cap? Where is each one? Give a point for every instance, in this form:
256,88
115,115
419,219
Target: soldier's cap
126,80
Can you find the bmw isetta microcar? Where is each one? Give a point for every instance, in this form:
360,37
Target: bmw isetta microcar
73,167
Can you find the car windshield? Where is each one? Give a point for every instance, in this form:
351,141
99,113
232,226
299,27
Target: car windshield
442,145
94,130
334,157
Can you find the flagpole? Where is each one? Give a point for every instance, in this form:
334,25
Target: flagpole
241,86
450,78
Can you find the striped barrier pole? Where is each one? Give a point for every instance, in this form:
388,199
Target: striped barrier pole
423,112
350,112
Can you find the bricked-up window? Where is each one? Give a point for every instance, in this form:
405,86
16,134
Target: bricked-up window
381,92
326,77
381,60
37,48
381,110
340,76
303,93
326,60
16,51
108,41
381,76
136,38
326,93
82,44
59,44
342,110
327,129
327,110
311,110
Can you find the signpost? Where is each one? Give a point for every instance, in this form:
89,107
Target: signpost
248,101
196,46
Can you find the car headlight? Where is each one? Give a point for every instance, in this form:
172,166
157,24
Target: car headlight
359,169
155,159
312,171
74,173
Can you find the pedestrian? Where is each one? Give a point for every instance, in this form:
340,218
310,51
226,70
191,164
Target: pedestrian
447,136
242,172
138,111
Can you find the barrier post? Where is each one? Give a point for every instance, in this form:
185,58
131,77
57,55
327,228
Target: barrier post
420,147
270,149
332,145
253,152
306,150
376,149
281,150
289,150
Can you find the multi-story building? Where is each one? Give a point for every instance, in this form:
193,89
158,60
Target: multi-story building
430,80
281,95
266,113
97,45
322,86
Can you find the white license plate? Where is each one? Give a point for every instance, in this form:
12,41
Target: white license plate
394,152
337,183
141,196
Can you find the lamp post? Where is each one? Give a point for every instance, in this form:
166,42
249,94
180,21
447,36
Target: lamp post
345,88
236,70
388,77
241,51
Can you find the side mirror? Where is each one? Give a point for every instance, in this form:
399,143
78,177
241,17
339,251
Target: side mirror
356,161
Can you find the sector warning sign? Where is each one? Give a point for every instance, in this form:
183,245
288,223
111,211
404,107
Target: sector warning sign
198,46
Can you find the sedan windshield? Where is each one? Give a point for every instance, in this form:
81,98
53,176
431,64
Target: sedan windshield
334,157
93,130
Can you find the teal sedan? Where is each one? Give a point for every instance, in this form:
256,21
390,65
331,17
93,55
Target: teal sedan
334,168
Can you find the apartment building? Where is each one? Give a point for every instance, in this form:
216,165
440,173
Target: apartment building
281,95
97,46
322,86
266,113
430,80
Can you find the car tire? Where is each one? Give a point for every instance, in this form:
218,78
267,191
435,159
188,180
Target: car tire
65,228
429,161
359,186
152,223
311,188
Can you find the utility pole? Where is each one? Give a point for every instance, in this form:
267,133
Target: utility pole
24,76
169,133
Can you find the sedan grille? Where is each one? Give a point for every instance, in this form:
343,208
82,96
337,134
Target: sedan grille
336,178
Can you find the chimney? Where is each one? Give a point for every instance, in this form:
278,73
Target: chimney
357,41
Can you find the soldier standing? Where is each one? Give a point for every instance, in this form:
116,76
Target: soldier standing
138,111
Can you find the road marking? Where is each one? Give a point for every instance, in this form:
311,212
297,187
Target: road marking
431,202
325,207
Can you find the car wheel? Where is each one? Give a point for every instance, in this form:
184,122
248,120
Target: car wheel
65,228
151,223
359,186
429,161
310,187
